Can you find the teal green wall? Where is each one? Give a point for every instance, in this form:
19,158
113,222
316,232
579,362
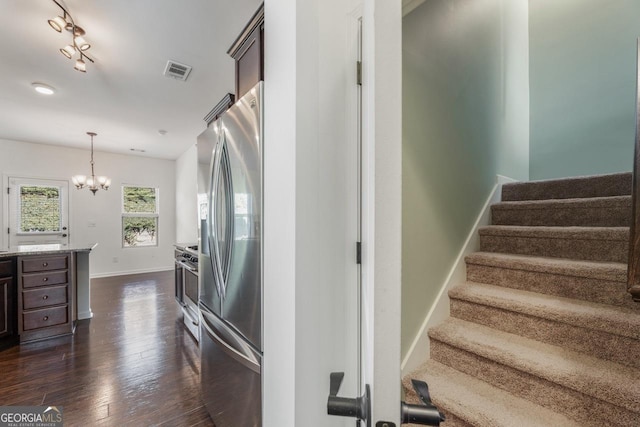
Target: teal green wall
465,119
582,79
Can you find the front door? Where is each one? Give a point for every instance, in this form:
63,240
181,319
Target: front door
38,211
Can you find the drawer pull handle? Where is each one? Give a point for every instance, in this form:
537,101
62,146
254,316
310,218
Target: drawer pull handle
45,318
45,297
44,264
46,279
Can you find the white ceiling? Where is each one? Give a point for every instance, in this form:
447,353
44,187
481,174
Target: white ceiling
123,96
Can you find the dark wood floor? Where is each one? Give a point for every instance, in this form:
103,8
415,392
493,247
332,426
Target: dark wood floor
132,364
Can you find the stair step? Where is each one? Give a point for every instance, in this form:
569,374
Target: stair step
607,332
584,388
584,243
473,402
601,282
618,184
612,211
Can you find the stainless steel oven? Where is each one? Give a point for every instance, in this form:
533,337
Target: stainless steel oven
186,286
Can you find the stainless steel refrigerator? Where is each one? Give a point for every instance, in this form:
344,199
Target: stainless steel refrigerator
231,266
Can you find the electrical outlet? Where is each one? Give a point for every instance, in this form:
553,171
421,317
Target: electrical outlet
115,259
91,224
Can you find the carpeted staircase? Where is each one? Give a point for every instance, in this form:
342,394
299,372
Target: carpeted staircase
543,333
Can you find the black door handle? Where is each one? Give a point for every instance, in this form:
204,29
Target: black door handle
427,414
359,408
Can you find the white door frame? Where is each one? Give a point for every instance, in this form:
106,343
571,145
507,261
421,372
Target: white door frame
382,203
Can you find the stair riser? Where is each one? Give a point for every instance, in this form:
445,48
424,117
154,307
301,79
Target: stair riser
582,288
573,188
581,249
580,407
588,341
567,217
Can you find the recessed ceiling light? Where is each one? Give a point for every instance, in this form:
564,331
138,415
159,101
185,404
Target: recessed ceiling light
138,150
43,88
162,132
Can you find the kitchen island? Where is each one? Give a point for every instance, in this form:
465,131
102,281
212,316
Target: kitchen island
45,290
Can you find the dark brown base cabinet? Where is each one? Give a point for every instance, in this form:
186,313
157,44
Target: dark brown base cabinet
45,297
7,303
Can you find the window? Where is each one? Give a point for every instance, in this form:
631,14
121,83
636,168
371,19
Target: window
139,216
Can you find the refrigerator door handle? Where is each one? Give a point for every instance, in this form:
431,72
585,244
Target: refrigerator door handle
245,358
213,211
231,215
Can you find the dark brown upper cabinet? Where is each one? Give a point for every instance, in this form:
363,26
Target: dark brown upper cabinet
248,52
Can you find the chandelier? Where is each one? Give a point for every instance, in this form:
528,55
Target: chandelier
93,183
78,43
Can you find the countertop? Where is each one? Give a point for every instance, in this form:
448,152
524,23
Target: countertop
46,249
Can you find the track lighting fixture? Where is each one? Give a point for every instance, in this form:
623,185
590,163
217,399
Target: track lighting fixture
58,23
78,44
80,65
68,51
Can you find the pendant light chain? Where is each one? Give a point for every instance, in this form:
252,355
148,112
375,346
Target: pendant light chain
93,175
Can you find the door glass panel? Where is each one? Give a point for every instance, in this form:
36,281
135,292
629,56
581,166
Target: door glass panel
40,210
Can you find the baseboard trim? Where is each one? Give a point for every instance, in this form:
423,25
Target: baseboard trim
82,315
419,350
125,273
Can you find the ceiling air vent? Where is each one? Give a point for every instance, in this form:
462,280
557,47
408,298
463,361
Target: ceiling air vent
177,71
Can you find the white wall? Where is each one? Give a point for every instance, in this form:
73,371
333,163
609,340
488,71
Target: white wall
583,86
104,209
186,196
465,120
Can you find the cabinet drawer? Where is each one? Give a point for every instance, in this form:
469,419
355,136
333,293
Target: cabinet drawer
44,279
5,268
44,297
42,318
44,263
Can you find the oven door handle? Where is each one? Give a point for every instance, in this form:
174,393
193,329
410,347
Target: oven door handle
186,266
